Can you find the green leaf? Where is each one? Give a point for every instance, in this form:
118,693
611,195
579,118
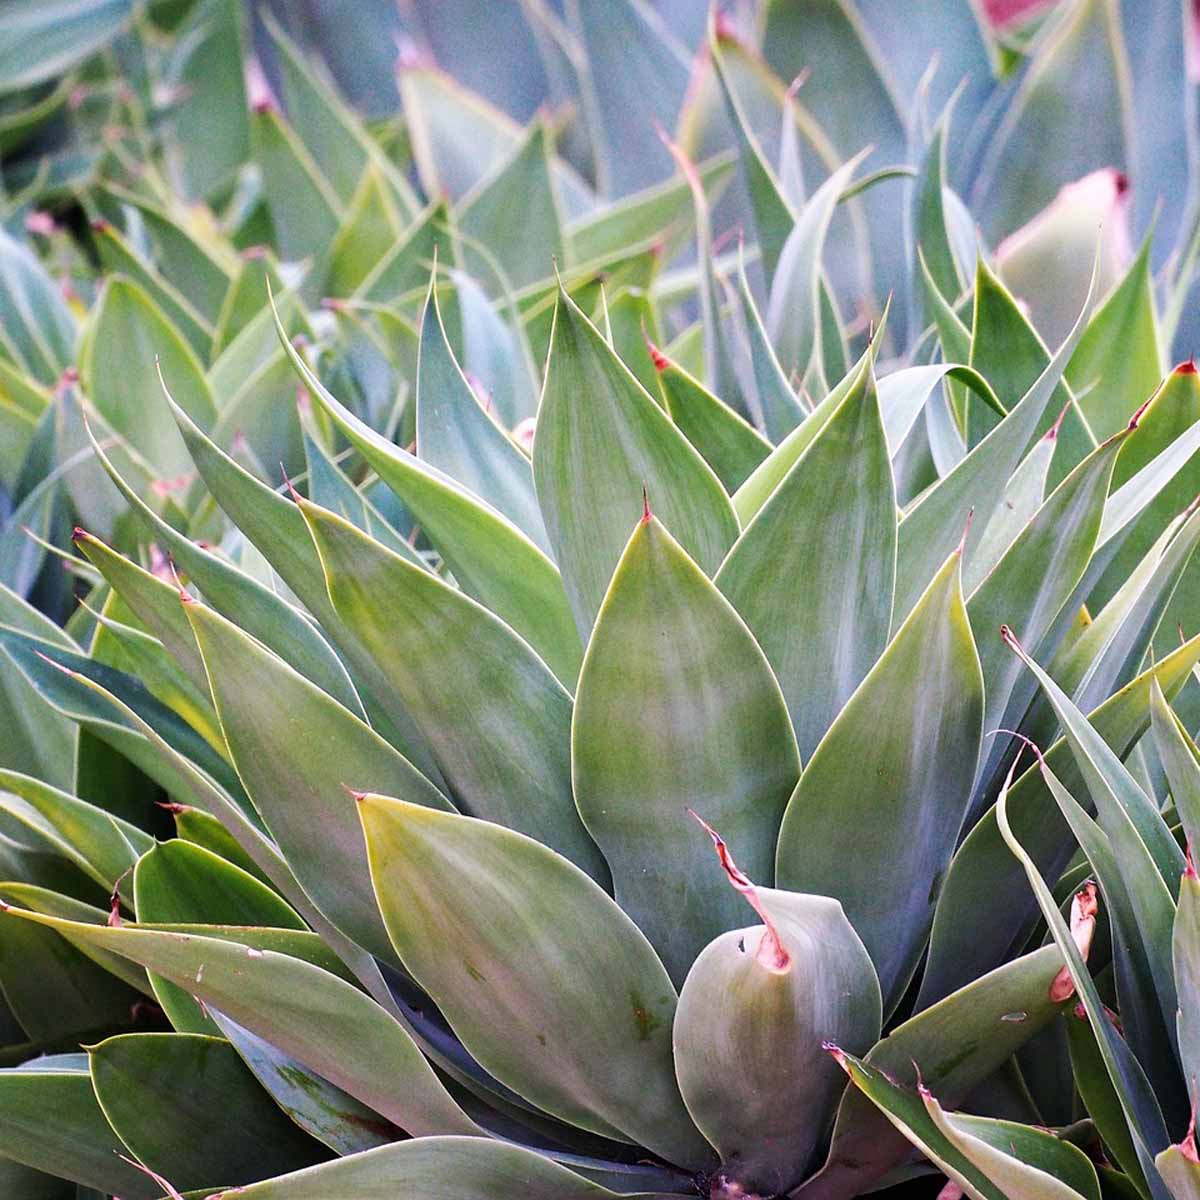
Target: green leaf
128,337
514,210
769,395
987,1158
505,756
1137,1100
1028,589
822,630
1007,349
903,395
846,831
325,1112
102,845
956,1044
1099,1096
209,121
56,993
188,1108
793,309
456,435
983,874
658,727
753,1013
52,1121
56,673
767,476
490,558
1079,68
370,227
119,257
594,1049
459,1168
38,332
305,210
635,80
731,446
329,129
44,39
930,527
181,883
592,459
323,1021
1181,762
1117,363
1186,951
297,751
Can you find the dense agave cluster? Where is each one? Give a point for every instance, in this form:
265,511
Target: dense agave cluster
525,674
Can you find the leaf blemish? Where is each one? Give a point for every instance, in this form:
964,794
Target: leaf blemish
645,1020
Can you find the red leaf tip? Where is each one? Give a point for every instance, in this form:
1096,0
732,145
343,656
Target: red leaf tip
1188,1146
657,357
79,533
962,544
1186,368
836,1053
771,952
1189,870
1009,638
1052,432
1137,416
646,515
357,797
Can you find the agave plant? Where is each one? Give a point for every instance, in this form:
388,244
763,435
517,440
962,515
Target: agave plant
1136,1068
555,557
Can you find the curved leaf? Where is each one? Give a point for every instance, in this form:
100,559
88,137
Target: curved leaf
594,1048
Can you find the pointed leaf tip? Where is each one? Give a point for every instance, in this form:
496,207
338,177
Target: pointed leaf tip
646,513
962,544
837,1054
771,953
657,357
1186,368
1189,870
1052,433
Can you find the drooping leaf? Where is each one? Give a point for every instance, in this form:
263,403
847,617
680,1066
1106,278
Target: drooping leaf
320,1019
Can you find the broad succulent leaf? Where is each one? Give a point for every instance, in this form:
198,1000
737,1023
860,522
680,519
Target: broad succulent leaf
319,1018
592,459
52,1118
753,1013
596,1049
505,757
221,1126
881,844
822,629
658,728
303,795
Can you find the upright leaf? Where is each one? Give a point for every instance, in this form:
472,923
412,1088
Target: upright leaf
660,725
880,841
813,573
600,440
